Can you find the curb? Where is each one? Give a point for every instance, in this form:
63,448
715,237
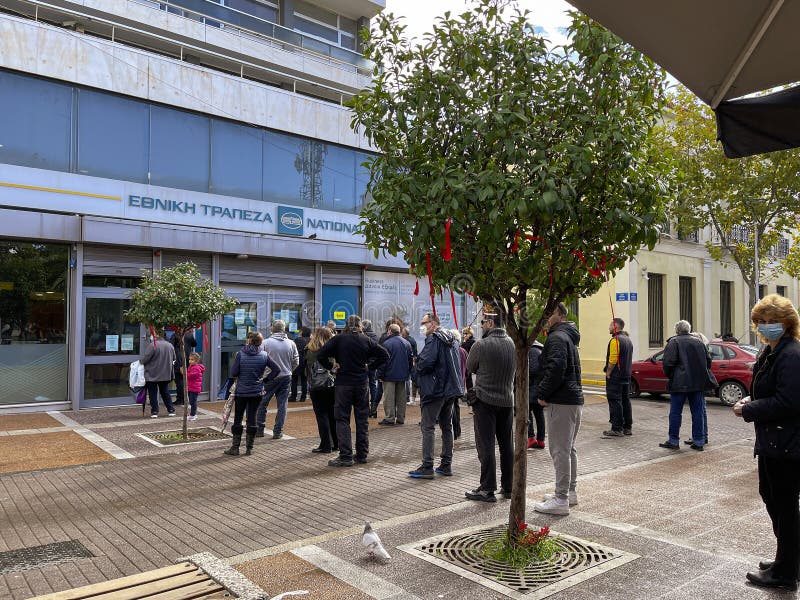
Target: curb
600,382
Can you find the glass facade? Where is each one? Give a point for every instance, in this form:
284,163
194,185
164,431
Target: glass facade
33,322
53,126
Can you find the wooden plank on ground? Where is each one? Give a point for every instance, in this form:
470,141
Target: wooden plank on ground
95,589
197,590
152,588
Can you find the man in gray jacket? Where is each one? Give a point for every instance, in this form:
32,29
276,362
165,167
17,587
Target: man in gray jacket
158,358
492,359
282,351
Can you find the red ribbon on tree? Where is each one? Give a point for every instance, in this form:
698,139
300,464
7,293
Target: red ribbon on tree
446,253
430,282
453,304
153,333
416,283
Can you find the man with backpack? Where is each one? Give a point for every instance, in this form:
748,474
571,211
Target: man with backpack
438,374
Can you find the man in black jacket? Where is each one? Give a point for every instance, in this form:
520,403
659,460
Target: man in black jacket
687,364
353,352
558,386
299,374
619,358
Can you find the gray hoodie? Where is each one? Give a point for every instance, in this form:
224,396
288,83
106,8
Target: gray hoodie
283,351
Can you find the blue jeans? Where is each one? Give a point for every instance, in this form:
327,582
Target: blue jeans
676,402
278,387
193,403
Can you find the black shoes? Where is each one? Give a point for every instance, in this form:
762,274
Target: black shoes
765,564
338,462
505,493
768,580
689,442
260,432
373,415
445,470
386,422
277,436
612,433
696,447
321,450
627,431
421,472
361,460
480,495
669,445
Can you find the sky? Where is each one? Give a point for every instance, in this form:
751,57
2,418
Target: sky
548,16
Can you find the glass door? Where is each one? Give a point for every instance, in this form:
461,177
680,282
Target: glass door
249,315
110,344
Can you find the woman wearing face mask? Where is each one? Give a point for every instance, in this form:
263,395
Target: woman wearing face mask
774,407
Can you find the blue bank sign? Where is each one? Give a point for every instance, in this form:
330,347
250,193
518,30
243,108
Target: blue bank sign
290,220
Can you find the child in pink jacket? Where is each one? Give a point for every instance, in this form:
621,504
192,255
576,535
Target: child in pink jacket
194,382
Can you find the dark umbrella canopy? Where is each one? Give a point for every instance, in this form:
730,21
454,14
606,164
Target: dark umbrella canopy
721,50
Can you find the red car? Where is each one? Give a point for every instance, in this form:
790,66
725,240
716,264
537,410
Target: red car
731,364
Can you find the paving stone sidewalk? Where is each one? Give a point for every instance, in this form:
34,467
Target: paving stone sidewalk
143,513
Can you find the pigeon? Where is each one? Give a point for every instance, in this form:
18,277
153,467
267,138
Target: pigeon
371,540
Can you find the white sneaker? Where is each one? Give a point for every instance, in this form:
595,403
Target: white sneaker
193,418
172,414
553,506
153,416
571,496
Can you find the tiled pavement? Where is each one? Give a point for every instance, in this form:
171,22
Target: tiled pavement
690,515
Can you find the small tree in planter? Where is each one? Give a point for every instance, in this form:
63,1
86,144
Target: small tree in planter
180,299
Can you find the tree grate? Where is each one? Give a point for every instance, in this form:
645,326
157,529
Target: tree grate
575,561
34,557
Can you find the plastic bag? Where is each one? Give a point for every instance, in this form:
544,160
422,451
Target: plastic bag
136,377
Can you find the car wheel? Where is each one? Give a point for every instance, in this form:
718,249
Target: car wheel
731,392
633,389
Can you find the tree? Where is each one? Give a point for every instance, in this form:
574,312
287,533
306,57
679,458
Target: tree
178,299
533,160
742,200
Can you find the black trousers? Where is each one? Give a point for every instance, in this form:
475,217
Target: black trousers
179,385
323,401
779,486
619,403
156,388
353,398
536,414
456,417
245,405
494,423
299,376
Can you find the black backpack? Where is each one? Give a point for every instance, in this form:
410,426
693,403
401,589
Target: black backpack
321,378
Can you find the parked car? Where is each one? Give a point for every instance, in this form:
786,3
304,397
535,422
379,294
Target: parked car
731,364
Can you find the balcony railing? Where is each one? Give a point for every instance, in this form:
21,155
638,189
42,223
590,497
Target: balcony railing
216,15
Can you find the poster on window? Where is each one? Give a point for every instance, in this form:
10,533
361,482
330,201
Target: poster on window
112,343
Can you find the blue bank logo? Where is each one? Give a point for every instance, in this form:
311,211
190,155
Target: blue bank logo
290,220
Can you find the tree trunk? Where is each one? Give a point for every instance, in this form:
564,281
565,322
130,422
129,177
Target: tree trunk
517,510
750,304
182,367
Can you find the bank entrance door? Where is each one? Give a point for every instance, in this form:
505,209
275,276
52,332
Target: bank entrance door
110,344
250,314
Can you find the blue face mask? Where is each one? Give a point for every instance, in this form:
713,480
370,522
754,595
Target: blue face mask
771,331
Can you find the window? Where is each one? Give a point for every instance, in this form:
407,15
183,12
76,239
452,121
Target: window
655,309
112,136
288,169
179,149
762,291
33,322
338,179
725,306
780,290
35,122
236,162
686,298
362,179
717,352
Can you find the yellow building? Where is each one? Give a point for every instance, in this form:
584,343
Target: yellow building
676,280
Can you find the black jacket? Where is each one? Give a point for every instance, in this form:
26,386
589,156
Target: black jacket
559,378
533,369
353,352
301,342
775,404
622,368
687,363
